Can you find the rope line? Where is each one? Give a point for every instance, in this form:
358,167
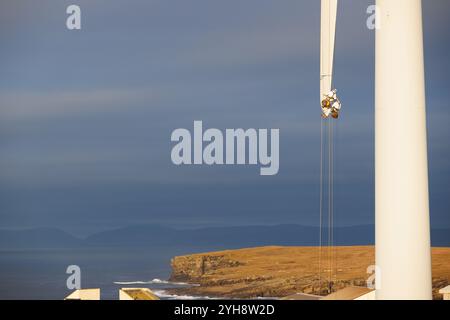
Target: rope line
330,138
321,205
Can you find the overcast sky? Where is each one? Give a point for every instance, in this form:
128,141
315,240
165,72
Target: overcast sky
86,116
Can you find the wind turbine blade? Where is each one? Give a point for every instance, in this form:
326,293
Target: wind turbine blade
327,38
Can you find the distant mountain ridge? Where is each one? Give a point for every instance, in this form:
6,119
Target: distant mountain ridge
249,236
37,238
233,237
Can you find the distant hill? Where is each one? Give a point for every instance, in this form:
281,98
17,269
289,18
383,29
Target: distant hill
37,238
247,236
213,237
145,235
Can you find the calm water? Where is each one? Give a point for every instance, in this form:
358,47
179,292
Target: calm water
41,274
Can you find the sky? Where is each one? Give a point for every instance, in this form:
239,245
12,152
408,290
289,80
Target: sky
86,115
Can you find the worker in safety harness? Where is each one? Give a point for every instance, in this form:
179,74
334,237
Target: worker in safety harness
331,105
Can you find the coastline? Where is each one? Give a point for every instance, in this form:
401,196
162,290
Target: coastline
277,272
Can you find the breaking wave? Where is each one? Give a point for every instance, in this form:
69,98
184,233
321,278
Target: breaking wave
166,296
156,281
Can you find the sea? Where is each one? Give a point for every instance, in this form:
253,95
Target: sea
41,273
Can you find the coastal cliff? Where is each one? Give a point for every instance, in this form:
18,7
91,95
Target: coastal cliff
282,271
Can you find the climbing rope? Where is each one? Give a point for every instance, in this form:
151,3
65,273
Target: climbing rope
321,204
327,143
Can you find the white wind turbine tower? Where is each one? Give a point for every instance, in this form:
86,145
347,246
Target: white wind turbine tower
402,236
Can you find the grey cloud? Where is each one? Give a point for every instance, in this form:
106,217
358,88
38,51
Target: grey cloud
85,118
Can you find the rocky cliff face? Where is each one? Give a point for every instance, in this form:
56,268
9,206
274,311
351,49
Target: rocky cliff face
195,268
255,272
282,271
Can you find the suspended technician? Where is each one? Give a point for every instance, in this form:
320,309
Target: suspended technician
331,105
329,102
